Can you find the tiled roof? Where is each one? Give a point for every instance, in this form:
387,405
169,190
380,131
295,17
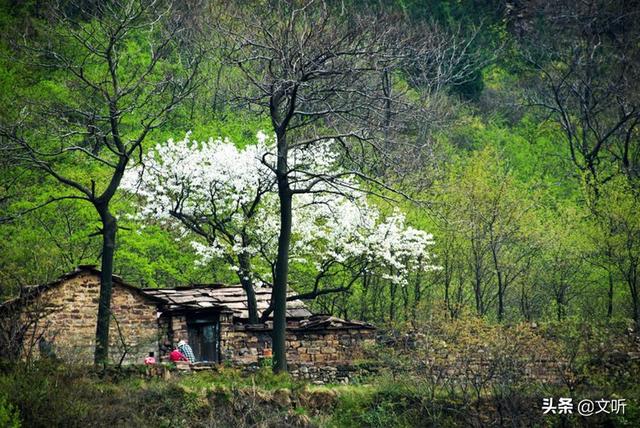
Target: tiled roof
223,297
328,322
29,292
216,296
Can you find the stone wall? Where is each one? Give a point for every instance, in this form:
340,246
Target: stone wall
69,321
320,356
177,330
244,345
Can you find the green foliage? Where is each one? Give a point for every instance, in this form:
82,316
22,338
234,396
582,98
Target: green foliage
510,212
496,175
48,242
471,372
9,415
233,378
153,256
35,392
428,373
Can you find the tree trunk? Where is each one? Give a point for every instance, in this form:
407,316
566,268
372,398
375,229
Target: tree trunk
561,304
392,303
632,280
109,229
405,302
244,274
459,295
417,292
478,294
376,300
447,272
524,304
501,285
279,293
447,300
500,300
365,292
610,297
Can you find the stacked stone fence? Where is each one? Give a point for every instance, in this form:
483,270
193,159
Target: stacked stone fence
515,362
244,345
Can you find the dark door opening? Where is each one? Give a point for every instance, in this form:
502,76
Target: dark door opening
204,338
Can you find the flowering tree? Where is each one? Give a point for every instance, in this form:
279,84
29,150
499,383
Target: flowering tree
320,76
227,199
315,74
215,191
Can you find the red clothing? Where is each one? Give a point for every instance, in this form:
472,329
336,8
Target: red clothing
176,355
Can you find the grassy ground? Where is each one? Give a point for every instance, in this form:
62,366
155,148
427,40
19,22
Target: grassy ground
430,380
52,395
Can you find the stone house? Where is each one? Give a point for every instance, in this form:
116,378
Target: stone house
62,317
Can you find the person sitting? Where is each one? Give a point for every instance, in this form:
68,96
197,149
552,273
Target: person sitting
186,350
176,356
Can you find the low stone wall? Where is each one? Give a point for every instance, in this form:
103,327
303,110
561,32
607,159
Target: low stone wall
341,373
518,354
244,345
319,374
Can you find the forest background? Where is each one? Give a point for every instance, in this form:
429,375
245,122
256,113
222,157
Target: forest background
524,170
506,130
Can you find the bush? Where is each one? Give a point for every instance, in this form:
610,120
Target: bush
47,394
429,379
9,415
469,371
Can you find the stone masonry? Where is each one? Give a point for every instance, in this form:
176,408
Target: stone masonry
318,346
69,315
243,345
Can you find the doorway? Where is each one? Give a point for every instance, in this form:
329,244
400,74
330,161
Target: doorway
204,338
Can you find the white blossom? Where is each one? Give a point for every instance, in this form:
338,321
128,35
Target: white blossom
215,180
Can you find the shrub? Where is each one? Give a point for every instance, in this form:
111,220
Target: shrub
9,415
47,394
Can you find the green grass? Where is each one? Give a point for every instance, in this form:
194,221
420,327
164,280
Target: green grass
231,378
57,395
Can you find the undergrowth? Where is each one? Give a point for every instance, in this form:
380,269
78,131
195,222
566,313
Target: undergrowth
430,381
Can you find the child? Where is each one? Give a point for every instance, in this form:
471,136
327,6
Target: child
176,356
150,360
